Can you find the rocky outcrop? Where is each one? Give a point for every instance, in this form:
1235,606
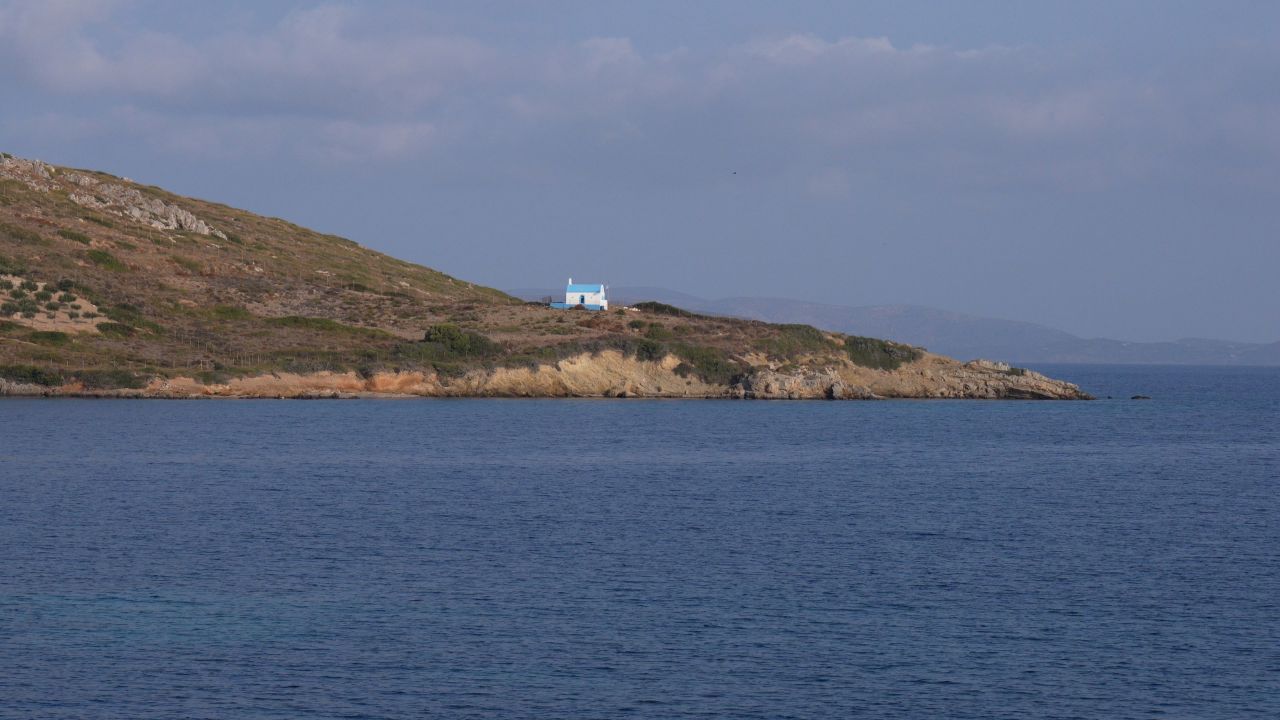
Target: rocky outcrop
607,374
33,173
610,374
111,197
801,385
933,376
8,387
130,202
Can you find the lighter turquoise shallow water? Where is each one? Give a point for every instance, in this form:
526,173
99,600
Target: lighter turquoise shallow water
648,559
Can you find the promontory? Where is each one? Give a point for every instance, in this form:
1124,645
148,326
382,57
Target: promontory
113,288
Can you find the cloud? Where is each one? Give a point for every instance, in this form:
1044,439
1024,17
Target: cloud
317,61
42,41
609,52
341,83
346,141
808,49
313,61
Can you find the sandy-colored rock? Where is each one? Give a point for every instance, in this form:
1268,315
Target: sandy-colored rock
610,374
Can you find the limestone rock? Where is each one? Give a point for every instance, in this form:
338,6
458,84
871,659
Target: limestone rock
118,198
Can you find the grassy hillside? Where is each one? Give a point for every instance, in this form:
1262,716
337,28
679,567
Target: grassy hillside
113,283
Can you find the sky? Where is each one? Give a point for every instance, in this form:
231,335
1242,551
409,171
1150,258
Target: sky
1108,168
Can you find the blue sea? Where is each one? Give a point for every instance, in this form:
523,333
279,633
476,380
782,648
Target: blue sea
648,559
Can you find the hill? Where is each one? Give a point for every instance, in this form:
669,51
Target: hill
965,336
113,287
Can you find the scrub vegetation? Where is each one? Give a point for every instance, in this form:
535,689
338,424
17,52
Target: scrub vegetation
91,294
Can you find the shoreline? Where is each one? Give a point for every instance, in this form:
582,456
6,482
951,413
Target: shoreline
608,375
126,395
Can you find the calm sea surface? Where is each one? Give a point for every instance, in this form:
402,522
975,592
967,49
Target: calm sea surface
647,559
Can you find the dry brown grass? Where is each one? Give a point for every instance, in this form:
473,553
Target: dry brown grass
273,296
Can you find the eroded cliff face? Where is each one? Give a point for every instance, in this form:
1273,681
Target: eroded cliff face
610,374
933,376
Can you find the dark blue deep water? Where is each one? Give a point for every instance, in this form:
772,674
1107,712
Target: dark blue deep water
613,559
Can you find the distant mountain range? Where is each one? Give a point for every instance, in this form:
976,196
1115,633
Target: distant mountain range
956,334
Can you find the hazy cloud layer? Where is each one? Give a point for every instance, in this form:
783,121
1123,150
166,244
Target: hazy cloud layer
360,91
857,133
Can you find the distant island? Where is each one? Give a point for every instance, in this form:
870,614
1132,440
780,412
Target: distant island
113,288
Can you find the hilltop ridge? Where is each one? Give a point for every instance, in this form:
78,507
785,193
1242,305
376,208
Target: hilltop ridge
958,334
117,288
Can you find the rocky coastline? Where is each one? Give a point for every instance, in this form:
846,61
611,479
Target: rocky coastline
612,375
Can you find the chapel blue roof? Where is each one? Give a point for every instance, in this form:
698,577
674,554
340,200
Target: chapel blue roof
584,288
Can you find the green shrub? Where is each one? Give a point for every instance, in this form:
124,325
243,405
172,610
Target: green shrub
457,341
664,309
309,361
110,379
657,331
186,263
21,234
636,324
31,285
9,266
790,340
213,377
74,235
53,306
649,350
98,221
420,353
9,308
105,260
229,312
43,296
65,284
6,284
67,298
124,312
117,330
49,337
711,364
879,354
129,315
17,293
320,324
29,375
